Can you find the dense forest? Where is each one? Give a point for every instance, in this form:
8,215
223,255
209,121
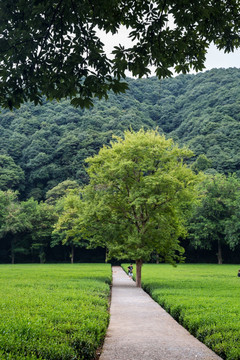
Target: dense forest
42,146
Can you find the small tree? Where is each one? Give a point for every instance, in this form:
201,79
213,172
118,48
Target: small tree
15,220
43,219
202,163
139,197
60,190
66,229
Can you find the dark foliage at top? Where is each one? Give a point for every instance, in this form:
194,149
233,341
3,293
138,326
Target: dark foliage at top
52,48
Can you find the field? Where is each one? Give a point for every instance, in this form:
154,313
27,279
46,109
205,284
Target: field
205,299
53,311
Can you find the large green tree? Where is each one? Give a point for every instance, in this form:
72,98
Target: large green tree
138,199
52,48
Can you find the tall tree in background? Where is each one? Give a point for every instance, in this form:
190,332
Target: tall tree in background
25,226
43,219
139,196
15,220
215,222
52,47
57,192
66,229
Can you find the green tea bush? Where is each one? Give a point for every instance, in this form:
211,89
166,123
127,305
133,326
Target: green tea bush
53,312
203,298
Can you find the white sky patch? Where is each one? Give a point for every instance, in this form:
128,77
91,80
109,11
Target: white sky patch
218,59
215,58
110,40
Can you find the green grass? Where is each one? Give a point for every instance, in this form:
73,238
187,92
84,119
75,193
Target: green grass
205,299
53,311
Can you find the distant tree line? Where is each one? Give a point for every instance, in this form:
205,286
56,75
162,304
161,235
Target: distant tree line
27,230
52,230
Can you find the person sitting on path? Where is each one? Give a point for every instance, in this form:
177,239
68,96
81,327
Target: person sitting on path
130,271
238,273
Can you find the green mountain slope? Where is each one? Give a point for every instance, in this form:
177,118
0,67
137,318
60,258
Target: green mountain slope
50,142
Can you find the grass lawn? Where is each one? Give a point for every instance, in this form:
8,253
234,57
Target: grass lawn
204,298
53,311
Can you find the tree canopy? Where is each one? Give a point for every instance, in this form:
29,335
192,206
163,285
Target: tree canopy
52,48
138,198
11,175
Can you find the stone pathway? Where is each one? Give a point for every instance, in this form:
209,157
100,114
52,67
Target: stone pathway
140,329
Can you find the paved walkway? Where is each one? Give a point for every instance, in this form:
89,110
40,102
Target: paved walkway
140,329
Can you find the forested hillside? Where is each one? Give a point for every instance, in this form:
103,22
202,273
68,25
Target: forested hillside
44,145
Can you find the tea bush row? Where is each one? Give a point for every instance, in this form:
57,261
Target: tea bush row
203,298
51,312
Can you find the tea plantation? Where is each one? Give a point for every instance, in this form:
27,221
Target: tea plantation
205,299
53,311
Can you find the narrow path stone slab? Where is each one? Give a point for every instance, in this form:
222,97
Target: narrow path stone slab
140,329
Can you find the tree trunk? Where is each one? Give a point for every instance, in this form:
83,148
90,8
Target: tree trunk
13,258
106,254
219,254
138,273
42,256
13,250
157,259
72,254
